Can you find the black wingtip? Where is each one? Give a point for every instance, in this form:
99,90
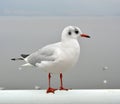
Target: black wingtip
13,59
24,55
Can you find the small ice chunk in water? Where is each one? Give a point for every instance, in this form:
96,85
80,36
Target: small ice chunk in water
20,68
105,68
2,88
37,88
105,81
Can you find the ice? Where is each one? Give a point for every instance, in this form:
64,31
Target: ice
2,88
105,81
106,96
37,88
20,68
105,68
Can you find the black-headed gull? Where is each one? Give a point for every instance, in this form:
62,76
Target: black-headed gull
57,57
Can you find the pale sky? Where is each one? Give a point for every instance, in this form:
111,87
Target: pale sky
59,7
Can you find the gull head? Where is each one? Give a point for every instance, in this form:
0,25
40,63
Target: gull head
73,32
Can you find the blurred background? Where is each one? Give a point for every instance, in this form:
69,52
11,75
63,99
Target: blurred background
28,25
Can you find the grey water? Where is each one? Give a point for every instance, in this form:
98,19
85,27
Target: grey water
99,63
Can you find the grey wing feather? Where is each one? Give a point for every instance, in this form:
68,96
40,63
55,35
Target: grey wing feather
44,54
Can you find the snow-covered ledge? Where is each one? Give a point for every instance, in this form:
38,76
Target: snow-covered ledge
108,96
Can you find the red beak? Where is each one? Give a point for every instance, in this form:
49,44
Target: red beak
85,35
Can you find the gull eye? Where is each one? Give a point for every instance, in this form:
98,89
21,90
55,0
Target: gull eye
69,33
76,31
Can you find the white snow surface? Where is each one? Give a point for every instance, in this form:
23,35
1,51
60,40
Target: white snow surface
106,96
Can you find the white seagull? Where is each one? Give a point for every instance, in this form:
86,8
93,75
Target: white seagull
57,57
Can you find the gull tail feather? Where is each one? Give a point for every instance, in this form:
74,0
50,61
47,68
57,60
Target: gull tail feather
23,56
15,59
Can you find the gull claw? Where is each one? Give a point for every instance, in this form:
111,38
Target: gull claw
51,90
62,88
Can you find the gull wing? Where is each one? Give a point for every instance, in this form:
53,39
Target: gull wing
48,53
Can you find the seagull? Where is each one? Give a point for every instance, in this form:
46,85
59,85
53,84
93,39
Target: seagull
57,57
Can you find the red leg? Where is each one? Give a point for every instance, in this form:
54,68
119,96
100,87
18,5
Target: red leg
50,90
61,83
